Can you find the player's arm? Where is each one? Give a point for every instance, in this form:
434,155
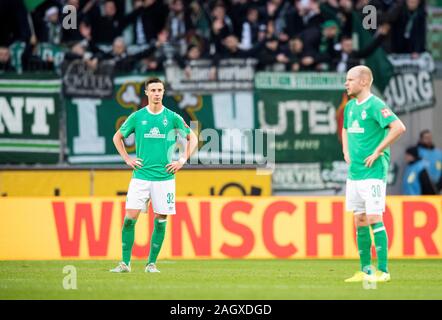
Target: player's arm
192,142
345,146
189,148
134,163
397,128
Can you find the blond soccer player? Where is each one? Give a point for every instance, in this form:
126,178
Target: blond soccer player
370,127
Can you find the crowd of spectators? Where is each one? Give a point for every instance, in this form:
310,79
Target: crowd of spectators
284,35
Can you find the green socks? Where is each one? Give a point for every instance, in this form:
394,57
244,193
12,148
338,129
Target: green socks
381,243
156,242
364,247
128,237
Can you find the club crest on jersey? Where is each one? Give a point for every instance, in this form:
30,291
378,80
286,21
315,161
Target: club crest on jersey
165,122
144,122
386,112
364,115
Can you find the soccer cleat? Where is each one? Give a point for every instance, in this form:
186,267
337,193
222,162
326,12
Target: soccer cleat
359,276
151,267
382,276
121,268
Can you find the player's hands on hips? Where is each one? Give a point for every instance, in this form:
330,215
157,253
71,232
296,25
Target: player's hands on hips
371,159
134,163
174,166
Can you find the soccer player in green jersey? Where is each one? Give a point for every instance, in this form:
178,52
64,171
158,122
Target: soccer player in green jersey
370,127
153,178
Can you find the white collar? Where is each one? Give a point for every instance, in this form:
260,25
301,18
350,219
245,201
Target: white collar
148,110
365,100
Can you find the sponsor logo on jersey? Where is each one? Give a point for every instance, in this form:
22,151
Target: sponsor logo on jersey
386,112
144,122
155,133
355,128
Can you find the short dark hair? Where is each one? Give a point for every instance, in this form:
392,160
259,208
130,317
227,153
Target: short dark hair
424,132
413,152
153,80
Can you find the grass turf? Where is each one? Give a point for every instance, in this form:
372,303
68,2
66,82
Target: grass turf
218,279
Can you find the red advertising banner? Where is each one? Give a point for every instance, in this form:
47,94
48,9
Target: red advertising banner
213,227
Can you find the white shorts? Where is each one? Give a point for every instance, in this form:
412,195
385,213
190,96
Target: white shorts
161,193
365,196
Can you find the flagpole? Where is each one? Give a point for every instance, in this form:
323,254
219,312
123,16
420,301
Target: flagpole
33,39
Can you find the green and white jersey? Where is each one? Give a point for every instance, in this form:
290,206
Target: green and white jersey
155,138
17,49
367,125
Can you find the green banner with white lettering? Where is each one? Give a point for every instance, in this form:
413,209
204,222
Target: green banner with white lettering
305,110
302,112
29,120
92,122
224,121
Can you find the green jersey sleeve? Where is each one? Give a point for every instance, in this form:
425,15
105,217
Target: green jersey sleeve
382,114
128,126
181,126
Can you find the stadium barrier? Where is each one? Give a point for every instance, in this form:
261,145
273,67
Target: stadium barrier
107,183
213,227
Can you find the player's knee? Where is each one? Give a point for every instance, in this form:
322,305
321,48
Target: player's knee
375,218
132,214
160,216
361,220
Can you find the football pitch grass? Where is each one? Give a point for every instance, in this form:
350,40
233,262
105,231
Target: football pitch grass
218,280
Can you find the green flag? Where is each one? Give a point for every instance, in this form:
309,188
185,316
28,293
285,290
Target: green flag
32,4
437,3
378,62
